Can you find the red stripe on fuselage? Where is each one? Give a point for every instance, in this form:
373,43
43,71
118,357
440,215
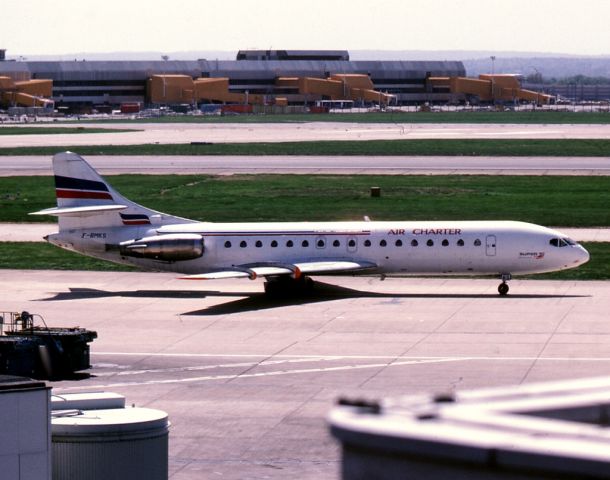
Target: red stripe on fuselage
61,193
272,234
136,222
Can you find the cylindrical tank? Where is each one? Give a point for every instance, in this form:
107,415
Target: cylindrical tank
126,443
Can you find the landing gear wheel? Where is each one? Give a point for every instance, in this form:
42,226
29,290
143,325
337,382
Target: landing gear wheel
272,288
308,285
286,287
503,288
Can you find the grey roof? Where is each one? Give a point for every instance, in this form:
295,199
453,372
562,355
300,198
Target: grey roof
113,70
13,67
343,54
139,70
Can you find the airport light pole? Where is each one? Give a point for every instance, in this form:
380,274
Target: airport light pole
493,71
165,59
538,76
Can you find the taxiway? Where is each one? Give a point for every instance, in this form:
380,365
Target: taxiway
247,381
296,132
284,164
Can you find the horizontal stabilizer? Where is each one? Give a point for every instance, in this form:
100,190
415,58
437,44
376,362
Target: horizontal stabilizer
83,211
270,270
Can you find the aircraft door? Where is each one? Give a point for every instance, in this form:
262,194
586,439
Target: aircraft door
490,245
352,244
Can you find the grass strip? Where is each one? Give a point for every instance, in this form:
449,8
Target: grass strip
569,201
8,130
426,147
43,256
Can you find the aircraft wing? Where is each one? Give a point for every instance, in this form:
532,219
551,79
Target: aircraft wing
253,271
334,266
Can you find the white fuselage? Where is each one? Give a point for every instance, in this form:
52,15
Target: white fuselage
405,248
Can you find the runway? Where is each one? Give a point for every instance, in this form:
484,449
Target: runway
247,381
295,132
285,164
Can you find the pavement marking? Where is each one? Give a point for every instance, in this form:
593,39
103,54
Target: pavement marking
406,361
206,367
258,375
247,355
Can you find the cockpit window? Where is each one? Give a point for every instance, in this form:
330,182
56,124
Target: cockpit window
561,242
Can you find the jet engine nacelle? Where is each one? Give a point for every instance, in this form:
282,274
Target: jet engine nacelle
169,248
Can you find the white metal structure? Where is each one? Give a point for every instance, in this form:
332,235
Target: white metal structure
95,437
117,443
96,220
536,431
25,429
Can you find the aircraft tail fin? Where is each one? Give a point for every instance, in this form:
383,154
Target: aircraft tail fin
86,200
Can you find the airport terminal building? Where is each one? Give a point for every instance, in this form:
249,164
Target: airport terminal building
82,85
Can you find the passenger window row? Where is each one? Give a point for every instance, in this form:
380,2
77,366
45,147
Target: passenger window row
352,243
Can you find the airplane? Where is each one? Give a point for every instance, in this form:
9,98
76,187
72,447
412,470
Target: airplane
95,220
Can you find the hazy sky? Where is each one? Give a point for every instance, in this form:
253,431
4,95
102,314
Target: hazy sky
31,27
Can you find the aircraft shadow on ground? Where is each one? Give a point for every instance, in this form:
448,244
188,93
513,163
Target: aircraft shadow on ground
86,293
253,301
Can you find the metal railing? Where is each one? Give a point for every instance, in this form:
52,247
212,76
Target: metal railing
15,321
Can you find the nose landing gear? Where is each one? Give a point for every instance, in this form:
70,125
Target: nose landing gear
503,287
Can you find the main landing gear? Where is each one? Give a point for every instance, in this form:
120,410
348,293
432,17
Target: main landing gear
285,286
503,287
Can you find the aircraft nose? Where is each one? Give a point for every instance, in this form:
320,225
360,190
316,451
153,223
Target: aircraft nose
582,255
